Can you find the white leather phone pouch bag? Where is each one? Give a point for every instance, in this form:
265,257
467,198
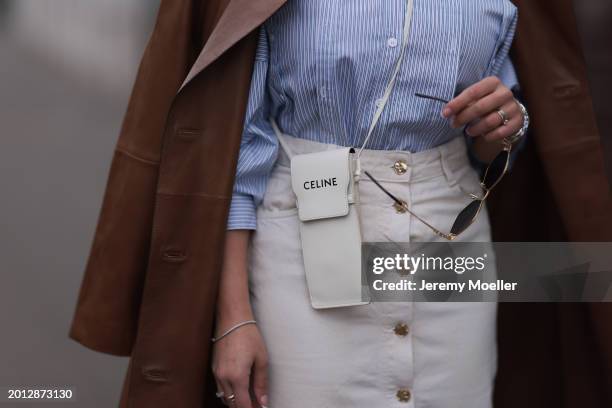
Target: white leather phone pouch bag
328,209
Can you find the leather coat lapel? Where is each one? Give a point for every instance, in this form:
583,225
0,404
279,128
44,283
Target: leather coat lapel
239,18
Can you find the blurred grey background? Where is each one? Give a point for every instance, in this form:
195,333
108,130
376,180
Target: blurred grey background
66,68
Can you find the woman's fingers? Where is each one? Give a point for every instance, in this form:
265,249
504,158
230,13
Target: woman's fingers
470,95
219,389
478,107
493,120
233,377
240,385
235,387
226,388
502,132
483,107
260,380
513,126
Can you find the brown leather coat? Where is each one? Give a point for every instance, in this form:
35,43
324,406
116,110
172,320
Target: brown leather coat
151,280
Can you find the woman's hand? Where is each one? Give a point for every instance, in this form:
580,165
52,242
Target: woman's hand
479,107
240,360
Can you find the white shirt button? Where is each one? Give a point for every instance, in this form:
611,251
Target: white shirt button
392,42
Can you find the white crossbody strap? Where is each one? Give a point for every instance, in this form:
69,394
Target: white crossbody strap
391,84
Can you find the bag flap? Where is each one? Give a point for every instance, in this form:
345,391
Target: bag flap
321,181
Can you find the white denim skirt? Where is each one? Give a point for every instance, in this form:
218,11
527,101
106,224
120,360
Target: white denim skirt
383,354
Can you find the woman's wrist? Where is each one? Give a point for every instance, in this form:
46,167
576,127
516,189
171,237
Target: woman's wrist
234,327
229,315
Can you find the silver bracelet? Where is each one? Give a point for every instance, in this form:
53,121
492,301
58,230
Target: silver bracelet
231,329
512,139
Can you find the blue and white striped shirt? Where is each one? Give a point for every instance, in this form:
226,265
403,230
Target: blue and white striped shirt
322,65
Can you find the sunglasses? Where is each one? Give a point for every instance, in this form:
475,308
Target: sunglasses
493,174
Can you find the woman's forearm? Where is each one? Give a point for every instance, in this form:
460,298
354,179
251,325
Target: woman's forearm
233,302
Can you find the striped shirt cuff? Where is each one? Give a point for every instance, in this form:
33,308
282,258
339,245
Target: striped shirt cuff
242,213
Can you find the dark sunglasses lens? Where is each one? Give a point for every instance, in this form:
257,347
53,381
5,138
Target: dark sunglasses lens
466,217
496,169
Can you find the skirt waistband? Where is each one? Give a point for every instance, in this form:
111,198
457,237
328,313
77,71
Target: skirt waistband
394,165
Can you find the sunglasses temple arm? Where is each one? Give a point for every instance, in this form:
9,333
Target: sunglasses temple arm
434,229
394,198
405,207
433,98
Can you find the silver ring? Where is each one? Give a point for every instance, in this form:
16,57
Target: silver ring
504,116
231,398
219,394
